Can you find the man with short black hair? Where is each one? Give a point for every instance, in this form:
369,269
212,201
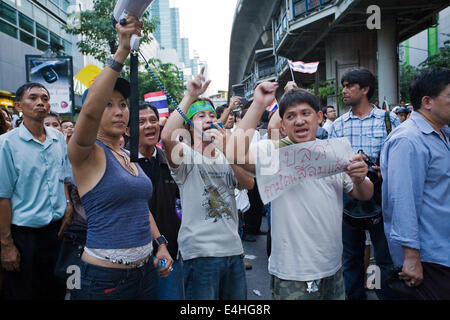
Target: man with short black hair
416,188
402,113
330,115
226,113
305,259
67,128
34,205
366,127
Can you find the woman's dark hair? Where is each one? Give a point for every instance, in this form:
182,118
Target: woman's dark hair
7,113
430,83
26,86
146,105
297,96
361,76
3,127
220,110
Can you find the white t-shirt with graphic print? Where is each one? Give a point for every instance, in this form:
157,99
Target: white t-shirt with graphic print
209,227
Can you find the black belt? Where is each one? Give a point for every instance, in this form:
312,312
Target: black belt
362,223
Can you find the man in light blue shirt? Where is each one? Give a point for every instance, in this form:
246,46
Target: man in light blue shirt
33,200
415,165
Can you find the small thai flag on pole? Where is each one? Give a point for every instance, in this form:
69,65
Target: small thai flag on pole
159,100
273,106
300,66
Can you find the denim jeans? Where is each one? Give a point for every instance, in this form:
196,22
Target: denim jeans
354,244
172,287
215,278
100,283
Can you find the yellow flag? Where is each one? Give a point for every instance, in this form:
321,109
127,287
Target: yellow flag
88,74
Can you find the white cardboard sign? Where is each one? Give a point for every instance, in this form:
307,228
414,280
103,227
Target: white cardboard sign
278,170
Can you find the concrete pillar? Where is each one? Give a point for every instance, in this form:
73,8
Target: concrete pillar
387,62
345,51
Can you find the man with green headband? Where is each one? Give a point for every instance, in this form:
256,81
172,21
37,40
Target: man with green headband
201,105
208,240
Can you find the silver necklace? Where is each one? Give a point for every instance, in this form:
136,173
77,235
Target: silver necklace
123,155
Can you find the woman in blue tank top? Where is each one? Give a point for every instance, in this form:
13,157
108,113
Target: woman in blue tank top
117,260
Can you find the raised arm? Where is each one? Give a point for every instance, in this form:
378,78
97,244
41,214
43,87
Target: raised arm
235,102
82,143
245,180
176,121
263,96
275,121
274,126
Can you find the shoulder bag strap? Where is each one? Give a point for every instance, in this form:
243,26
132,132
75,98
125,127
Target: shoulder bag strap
387,121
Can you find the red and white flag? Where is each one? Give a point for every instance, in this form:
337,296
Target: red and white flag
159,100
273,106
300,66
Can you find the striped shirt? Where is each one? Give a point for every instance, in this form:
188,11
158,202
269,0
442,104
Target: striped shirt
367,134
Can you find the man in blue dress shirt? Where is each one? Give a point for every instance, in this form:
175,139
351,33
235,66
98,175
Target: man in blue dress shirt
415,165
33,200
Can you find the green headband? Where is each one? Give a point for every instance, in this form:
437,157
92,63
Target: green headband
199,106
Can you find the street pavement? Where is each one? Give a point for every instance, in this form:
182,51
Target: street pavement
258,277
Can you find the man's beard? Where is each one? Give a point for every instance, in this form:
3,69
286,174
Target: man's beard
353,103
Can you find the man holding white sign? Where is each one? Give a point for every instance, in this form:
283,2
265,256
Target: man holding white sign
305,261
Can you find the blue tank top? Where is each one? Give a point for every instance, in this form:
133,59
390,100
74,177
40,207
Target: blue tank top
117,209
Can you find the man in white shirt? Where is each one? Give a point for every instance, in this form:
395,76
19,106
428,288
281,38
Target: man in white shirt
330,115
305,261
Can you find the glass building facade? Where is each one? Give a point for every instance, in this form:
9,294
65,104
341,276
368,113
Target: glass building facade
38,23
163,32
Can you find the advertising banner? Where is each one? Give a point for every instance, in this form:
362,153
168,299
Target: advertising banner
56,74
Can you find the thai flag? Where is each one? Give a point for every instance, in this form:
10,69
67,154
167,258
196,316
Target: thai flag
159,100
273,106
300,66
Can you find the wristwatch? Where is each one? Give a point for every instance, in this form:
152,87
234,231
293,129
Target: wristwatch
161,240
114,64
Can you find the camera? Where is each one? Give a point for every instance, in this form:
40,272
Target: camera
372,174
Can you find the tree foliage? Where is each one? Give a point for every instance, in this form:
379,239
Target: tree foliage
440,59
98,35
408,72
168,73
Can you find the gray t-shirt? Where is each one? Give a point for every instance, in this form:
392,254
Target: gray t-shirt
209,226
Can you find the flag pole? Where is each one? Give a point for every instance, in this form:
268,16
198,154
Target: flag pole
292,74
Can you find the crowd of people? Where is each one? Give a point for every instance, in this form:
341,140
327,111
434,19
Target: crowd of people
170,226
